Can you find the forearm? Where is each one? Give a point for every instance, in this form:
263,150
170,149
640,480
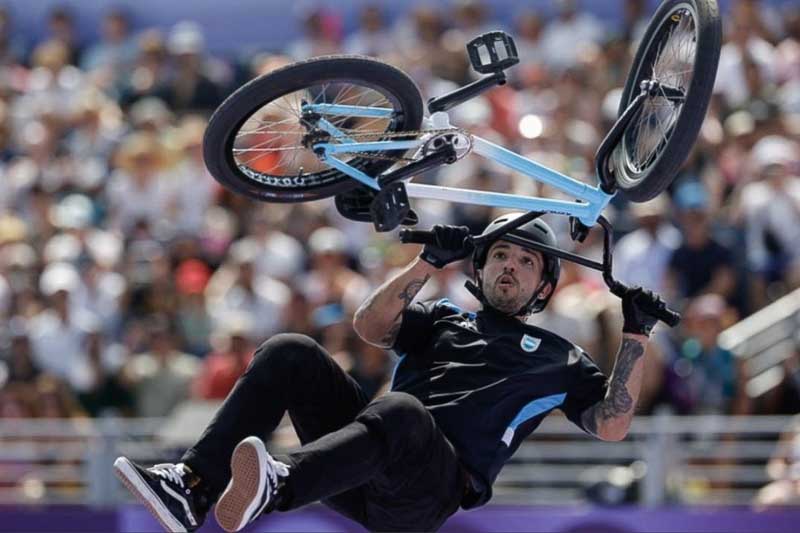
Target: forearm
610,418
378,319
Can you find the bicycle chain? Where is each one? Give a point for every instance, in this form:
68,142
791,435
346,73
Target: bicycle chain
366,135
394,134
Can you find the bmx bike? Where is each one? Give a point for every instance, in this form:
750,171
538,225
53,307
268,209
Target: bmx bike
354,128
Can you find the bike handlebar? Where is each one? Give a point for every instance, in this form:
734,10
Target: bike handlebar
416,236
655,306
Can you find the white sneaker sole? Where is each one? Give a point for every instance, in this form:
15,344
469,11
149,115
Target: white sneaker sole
240,500
129,477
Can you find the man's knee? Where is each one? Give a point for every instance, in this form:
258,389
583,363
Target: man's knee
286,352
398,415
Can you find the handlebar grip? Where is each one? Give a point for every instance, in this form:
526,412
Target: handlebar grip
669,317
661,312
417,236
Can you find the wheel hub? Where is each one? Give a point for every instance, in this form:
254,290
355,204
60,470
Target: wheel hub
656,88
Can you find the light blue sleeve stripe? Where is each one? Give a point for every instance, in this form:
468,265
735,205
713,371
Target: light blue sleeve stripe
394,372
537,407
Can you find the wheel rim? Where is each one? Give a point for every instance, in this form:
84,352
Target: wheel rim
268,145
670,61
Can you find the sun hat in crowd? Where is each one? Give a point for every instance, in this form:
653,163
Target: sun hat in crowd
327,240
59,277
774,150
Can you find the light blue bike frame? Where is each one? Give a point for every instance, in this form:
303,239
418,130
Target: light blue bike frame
589,204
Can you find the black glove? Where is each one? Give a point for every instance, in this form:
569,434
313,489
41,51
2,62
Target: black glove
635,306
450,245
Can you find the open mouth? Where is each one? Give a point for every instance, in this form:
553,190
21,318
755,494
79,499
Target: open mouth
506,281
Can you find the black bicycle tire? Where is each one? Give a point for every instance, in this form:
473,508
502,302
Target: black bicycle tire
659,175
239,106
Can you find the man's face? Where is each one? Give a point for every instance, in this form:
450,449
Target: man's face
510,276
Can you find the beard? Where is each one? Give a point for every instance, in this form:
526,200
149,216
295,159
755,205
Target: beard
507,300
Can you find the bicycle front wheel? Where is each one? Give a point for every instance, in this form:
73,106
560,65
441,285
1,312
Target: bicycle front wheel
679,52
257,142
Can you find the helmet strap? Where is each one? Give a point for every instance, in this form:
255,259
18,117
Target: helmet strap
526,309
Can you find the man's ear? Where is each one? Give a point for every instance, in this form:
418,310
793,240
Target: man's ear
548,288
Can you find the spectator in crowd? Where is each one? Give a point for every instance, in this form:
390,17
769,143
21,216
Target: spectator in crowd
472,18
373,37
161,377
235,287
61,26
114,54
54,399
322,33
193,187
330,277
642,256
700,265
701,376
104,182
744,48
189,87
193,321
569,36
18,361
103,392
150,70
58,333
770,207
138,192
280,255
221,368
12,45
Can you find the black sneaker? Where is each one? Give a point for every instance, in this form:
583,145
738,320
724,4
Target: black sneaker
256,479
163,489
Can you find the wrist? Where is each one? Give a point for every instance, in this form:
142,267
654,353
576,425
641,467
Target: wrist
424,264
638,337
430,260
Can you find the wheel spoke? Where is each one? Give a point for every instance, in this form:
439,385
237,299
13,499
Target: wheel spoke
673,65
269,143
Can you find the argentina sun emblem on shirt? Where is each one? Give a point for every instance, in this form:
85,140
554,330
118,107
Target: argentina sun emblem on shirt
529,344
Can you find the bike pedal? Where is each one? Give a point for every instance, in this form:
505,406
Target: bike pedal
492,52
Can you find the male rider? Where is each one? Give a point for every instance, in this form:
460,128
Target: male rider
468,389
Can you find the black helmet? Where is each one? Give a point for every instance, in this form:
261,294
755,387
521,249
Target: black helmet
537,231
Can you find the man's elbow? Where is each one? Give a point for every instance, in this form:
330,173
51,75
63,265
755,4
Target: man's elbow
613,433
367,331
361,327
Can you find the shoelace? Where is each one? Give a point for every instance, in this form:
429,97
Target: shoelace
170,472
275,469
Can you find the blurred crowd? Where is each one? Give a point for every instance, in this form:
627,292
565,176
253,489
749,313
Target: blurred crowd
130,281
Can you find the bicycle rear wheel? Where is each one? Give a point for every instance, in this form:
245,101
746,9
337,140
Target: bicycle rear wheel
679,50
257,141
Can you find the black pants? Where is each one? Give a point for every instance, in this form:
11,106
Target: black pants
384,463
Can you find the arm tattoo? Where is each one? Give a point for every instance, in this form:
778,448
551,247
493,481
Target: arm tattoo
618,401
407,295
391,335
412,289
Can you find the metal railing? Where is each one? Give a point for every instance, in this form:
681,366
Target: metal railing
666,458
764,340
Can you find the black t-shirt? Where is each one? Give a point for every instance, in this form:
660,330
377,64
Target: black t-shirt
694,267
489,380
